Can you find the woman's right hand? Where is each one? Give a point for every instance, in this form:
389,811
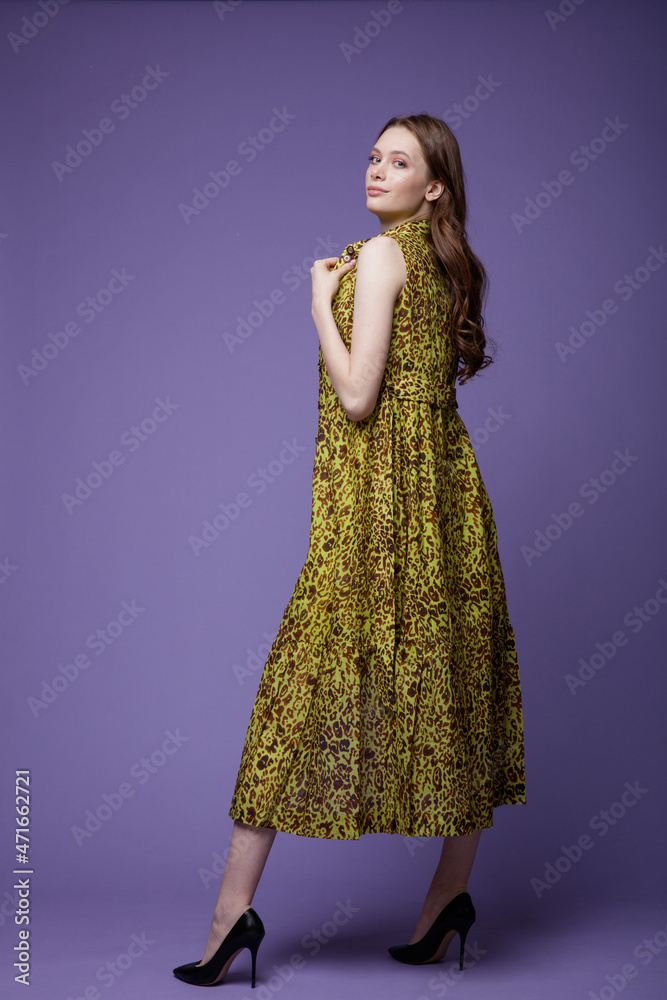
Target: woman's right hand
325,278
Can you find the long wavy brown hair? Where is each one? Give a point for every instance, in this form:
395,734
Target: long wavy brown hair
464,273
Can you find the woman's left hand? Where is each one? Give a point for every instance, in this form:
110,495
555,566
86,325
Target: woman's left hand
325,279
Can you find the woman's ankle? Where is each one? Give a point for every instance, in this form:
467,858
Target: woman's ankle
228,913
437,899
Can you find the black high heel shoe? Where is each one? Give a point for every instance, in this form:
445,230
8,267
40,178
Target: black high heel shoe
459,915
247,932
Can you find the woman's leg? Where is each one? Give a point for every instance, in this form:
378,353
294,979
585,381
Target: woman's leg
450,878
248,851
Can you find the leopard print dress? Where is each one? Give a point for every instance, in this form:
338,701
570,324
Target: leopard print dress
390,700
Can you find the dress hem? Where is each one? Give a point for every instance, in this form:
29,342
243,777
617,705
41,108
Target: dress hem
374,825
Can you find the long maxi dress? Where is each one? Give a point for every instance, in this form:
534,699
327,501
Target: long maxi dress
390,699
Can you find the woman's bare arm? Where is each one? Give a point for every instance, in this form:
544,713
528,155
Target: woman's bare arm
356,374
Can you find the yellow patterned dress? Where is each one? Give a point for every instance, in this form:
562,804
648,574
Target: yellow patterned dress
390,700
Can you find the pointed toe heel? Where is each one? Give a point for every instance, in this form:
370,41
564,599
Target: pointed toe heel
247,932
459,915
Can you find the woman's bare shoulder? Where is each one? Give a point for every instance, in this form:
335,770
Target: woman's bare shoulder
382,252
380,244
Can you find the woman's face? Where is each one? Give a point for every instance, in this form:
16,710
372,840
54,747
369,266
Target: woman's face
398,186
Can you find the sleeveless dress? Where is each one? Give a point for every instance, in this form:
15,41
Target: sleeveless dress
390,699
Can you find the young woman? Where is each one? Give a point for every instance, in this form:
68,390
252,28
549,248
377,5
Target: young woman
390,700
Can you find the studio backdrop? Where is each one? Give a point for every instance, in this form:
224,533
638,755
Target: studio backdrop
171,171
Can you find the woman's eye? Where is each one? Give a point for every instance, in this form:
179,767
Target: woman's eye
374,156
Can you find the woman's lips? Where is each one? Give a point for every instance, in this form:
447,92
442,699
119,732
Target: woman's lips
376,191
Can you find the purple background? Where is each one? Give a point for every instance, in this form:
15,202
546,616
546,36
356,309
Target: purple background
180,666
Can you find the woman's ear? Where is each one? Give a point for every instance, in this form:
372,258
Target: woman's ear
434,190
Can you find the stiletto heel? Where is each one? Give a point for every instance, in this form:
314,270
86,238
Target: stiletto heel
253,952
247,932
459,915
462,938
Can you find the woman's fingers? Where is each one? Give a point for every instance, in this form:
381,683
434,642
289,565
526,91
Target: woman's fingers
329,263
